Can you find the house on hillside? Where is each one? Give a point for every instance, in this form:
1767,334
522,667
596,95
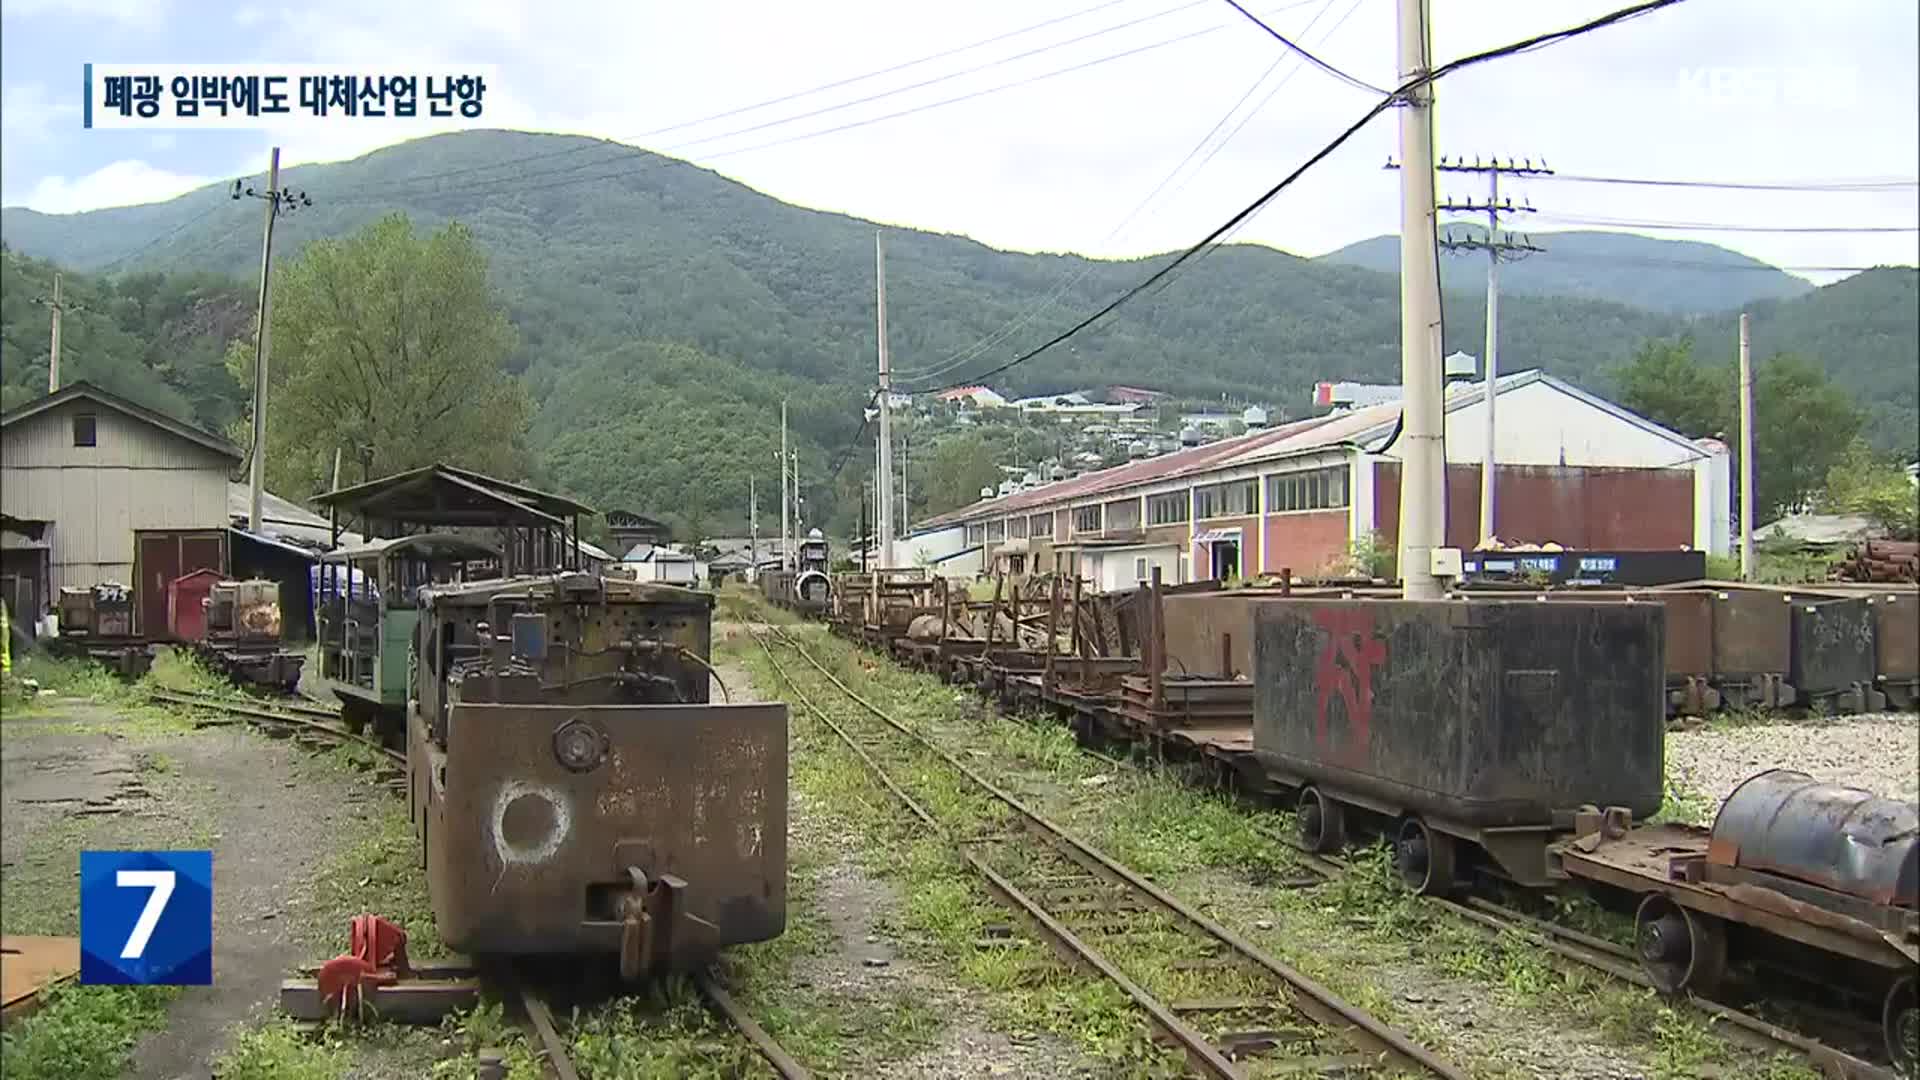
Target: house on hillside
1574,469
979,397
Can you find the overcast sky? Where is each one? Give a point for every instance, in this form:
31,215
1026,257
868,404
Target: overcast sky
1805,92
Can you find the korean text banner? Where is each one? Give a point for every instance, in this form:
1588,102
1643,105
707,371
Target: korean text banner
181,96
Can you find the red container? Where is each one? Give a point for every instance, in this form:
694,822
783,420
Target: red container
187,605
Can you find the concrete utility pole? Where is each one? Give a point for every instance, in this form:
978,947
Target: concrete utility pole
753,531
884,480
58,308
786,503
1497,247
1423,467
1746,452
277,200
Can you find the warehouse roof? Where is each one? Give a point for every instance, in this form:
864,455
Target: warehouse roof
83,389
1371,428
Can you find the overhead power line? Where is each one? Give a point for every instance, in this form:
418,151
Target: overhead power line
961,357
1861,186
1356,83
1709,226
622,152
1526,45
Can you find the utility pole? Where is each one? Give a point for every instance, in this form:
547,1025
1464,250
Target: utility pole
276,200
786,503
864,493
1497,247
753,531
1746,451
798,504
884,481
1423,466
906,501
58,308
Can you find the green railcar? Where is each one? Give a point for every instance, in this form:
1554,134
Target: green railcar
366,607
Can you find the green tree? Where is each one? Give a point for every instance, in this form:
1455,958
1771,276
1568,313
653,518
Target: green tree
1802,423
1866,483
958,468
1665,384
390,346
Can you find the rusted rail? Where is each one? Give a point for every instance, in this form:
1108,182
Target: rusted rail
1302,994
776,1055
305,717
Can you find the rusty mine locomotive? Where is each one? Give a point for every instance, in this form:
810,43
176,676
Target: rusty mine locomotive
574,789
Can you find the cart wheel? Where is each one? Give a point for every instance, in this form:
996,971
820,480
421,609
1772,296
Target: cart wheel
1901,1018
1425,858
1323,822
1680,949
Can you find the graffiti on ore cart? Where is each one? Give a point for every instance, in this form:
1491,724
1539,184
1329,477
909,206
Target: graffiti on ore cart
1345,670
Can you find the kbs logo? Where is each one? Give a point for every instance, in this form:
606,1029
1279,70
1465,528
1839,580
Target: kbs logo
146,917
1346,671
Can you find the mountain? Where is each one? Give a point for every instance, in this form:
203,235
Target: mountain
1678,276
665,311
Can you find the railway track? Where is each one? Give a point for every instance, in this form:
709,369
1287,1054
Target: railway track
1606,957
308,717
1227,1004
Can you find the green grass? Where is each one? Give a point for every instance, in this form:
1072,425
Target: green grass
1223,857
277,1050
82,1032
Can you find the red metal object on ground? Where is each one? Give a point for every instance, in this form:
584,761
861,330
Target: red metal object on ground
378,957
187,605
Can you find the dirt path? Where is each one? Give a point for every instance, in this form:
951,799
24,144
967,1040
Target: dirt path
268,820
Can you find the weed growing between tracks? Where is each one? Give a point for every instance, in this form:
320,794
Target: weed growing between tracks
1497,1006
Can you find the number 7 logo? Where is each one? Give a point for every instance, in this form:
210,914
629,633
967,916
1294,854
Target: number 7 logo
146,918
161,882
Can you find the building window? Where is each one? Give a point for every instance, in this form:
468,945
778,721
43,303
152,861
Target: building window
1316,489
976,534
1140,569
1235,498
1016,564
996,531
1017,528
84,433
1087,519
1169,509
1040,525
1123,515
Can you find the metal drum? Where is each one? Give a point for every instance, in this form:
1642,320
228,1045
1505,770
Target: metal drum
1844,839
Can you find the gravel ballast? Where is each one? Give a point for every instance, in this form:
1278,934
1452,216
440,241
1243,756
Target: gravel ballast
1879,752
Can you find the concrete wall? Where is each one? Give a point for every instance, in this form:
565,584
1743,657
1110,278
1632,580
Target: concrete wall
136,476
1581,508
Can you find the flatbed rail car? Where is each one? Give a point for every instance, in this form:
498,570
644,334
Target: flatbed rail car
574,789
1525,739
366,609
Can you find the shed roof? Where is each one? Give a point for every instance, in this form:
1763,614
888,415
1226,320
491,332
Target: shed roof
446,495
83,390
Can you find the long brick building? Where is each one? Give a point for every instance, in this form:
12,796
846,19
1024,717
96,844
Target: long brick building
1573,469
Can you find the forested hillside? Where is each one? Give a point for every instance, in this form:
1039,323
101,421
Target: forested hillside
154,337
1678,276
662,312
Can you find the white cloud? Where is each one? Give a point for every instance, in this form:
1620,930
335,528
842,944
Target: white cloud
138,12
122,183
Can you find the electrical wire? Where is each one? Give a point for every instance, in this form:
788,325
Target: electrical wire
1513,49
168,235
792,95
1860,186
961,357
1707,226
1356,83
